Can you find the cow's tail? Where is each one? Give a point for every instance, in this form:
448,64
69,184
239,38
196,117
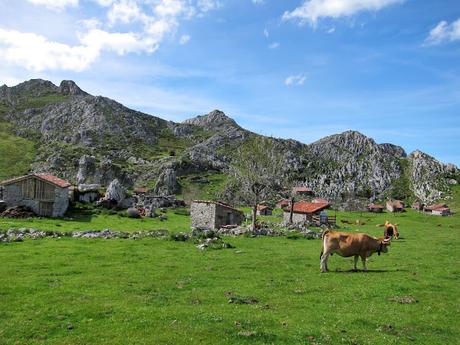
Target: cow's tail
322,242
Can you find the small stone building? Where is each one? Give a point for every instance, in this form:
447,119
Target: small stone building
213,215
264,210
46,195
304,211
395,206
438,210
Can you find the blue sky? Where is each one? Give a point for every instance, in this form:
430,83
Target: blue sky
292,68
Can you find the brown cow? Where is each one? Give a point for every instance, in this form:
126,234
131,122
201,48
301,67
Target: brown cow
390,230
348,244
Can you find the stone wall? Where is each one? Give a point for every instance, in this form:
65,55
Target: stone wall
61,201
202,215
227,216
296,217
12,195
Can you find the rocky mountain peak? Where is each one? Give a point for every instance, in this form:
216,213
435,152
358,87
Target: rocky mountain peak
216,120
69,87
35,87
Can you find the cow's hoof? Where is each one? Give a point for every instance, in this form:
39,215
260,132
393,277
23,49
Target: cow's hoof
324,271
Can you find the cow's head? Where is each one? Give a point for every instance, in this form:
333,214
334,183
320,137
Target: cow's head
383,245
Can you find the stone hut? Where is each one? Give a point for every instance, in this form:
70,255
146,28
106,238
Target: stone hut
304,211
46,195
438,210
395,206
213,215
264,210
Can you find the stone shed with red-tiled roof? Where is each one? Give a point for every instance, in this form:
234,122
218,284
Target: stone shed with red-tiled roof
213,215
45,194
304,211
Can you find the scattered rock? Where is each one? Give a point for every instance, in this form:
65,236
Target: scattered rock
242,300
133,213
404,299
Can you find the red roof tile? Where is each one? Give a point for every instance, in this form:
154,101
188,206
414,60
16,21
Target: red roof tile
308,207
263,207
436,207
54,180
44,177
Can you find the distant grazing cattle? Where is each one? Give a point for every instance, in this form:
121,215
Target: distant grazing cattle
351,244
391,230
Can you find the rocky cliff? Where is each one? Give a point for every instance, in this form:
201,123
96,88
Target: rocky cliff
94,140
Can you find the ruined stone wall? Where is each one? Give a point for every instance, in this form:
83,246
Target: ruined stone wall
203,215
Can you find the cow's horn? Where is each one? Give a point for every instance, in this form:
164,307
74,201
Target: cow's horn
387,240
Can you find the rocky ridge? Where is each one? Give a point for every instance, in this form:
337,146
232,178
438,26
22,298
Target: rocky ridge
94,140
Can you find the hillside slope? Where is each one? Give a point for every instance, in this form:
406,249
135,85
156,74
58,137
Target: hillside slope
93,139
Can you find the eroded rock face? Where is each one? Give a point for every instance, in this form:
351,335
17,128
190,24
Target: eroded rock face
68,87
352,163
167,183
115,192
428,176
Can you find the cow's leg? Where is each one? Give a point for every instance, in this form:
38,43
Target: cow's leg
364,259
356,262
323,265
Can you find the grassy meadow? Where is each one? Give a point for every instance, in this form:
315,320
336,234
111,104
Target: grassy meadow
152,291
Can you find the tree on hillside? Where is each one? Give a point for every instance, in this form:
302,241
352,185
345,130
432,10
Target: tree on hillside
256,172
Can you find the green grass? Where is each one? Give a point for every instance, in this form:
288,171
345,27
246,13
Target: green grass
16,155
192,190
177,221
454,204
78,291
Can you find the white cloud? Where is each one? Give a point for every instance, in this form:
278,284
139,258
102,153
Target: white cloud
444,32
55,4
311,10
35,52
266,33
155,20
91,23
121,43
208,5
298,79
104,3
124,11
184,39
258,2
274,45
